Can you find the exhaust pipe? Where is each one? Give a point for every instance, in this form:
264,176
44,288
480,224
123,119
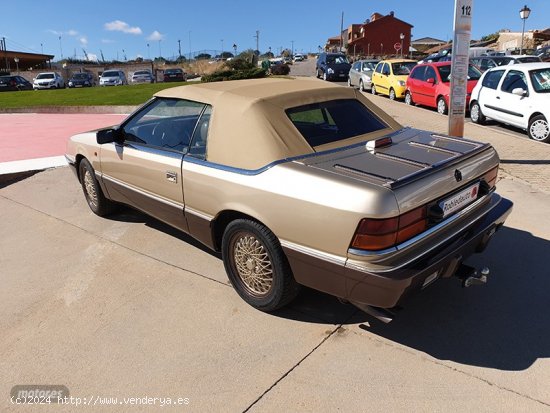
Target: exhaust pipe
381,314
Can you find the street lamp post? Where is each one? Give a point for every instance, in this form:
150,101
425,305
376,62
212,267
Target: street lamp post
148,51
16,59
381,49
524,15
401,36
235,49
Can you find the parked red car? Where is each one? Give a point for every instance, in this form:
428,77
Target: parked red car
429,85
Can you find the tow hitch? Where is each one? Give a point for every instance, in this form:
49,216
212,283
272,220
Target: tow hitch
470,276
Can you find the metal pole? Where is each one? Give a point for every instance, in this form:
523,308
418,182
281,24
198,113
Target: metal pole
342,32
179,48
522,35
459,66
189,44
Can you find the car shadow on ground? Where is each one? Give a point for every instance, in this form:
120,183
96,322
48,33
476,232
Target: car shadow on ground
503,325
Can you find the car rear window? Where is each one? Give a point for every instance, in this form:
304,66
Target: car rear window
334,120
541,80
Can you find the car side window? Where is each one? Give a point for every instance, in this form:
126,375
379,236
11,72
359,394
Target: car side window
514,79
379,68
492,79
165,123
418,73
197,148
357,66
430,73
386,70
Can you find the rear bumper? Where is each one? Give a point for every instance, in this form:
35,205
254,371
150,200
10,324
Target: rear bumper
356,282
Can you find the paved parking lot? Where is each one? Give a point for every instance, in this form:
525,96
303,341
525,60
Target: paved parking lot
127,307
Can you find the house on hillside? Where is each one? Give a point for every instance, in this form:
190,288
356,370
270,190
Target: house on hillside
425,43
378,36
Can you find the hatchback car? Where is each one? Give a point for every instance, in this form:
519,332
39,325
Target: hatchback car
332,66
174,75
48,80
487,62
113,78
299,182
142,76
390,77
517,95
14,83
360,74
83,79
429,84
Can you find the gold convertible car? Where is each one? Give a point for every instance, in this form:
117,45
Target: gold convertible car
300,182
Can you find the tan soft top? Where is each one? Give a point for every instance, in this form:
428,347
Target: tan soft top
249,128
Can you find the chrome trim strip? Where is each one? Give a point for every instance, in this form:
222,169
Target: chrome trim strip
435,148
401,159
460,140
314,253
420,237
348,169
70,158
199,214
141,192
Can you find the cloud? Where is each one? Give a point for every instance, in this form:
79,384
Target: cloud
83,41
107,41
120,26
55,32
156,35
72,33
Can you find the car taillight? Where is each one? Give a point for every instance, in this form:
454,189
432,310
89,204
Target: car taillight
491,177
379,234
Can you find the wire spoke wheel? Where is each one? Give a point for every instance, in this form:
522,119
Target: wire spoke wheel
89,187
253,263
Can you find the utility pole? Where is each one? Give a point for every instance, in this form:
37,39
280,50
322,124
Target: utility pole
189,44
60,48
342,32
292,49
179,48
257,40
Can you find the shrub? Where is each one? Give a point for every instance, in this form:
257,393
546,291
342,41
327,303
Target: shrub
235,69
281,70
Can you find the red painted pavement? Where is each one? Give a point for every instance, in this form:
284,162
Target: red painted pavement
40,135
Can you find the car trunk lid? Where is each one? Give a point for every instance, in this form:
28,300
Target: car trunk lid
405,164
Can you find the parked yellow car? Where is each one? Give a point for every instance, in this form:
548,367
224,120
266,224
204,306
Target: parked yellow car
390,77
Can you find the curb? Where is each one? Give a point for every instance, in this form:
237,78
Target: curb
73,109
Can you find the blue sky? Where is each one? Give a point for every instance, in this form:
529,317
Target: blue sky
124,28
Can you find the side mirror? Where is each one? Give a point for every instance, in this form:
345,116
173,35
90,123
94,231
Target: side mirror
108,136
519,91
430,80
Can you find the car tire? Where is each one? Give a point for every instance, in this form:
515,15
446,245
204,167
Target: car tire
257,266
539,129
408,98
442,106
92,190
392,94
373,89
361,85
476,115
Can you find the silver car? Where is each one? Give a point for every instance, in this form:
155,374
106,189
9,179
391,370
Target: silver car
360,74
142,76
112,78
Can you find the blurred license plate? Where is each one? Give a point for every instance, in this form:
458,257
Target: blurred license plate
460,200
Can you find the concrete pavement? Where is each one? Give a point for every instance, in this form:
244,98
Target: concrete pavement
127,307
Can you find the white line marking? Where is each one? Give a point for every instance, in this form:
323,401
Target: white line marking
32,164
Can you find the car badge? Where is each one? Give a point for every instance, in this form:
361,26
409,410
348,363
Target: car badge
458,175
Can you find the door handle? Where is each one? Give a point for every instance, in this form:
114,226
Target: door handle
498,97
171,176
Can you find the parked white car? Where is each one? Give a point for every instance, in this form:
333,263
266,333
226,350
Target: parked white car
517,95
113,78
48,80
